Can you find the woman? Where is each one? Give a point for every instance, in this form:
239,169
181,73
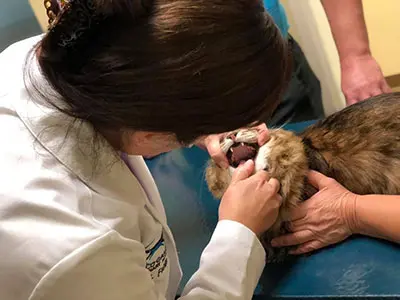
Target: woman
80,215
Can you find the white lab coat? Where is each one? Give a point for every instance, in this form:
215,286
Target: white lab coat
77,224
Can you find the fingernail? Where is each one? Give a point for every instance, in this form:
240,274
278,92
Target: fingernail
224,165
274,243
248,163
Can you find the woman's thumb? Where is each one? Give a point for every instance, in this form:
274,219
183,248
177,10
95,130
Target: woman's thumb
318,180
243,171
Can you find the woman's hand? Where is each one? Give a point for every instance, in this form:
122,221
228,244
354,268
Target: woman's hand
252,201
212,144
326,218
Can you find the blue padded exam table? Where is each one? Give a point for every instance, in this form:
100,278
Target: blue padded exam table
358,268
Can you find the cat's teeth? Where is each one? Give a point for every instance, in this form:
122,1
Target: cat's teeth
230,149
226,144
242,144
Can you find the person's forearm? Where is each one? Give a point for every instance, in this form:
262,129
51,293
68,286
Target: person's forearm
378,216
230,265
346,19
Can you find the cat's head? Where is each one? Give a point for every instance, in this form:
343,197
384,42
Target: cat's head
283,157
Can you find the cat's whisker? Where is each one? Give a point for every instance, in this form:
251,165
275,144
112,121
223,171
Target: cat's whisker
279,127
226,145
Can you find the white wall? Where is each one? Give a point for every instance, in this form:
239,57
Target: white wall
383,23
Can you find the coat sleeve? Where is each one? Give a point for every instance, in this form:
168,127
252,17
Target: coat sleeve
230,267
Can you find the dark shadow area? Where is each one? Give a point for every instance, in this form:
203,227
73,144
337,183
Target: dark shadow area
274,275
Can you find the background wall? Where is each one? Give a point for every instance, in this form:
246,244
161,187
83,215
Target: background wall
17,21
40,13
310,27
383,24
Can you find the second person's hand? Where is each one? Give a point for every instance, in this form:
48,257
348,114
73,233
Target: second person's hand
326,218
251,200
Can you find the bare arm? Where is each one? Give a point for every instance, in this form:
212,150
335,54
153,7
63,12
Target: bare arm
361,75
346,19
378,216
334,213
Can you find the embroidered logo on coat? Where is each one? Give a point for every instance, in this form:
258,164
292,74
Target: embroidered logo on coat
156,259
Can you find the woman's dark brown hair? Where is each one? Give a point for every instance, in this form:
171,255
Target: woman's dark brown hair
187,67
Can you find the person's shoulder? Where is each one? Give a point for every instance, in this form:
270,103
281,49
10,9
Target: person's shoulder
16,53
13,61
20,47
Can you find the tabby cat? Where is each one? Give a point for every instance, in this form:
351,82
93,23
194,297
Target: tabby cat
358,146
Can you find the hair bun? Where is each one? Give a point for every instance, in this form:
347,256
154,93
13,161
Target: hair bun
53,8
134,8
74,21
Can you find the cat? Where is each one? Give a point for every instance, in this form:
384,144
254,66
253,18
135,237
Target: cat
359,146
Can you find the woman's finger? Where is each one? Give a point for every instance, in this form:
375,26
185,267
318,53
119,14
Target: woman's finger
242,172
263,134
213,145
262,127
318,180
292,239
263,137
306,247
274,184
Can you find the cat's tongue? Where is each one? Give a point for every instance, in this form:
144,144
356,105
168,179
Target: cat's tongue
240,153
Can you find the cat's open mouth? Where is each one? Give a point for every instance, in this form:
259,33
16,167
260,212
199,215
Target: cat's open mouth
240,152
